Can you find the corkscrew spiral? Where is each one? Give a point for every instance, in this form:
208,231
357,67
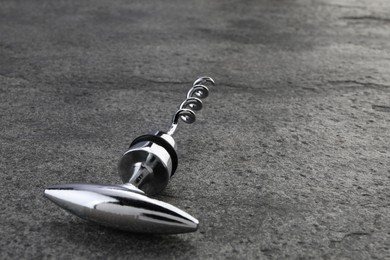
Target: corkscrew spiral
192,103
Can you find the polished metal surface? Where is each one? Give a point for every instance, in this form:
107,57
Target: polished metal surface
192,103
147,166
203,80
145,169
121,207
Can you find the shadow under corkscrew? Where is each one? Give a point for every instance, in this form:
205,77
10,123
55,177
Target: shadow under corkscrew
145,169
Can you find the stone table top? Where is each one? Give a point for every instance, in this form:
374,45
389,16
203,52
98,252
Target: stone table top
288,159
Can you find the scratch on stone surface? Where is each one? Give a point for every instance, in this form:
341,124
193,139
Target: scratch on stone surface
269,251
367,18
14,78
381,108
345,6
95,81
244,87
364,84
236,86
310,89
162,81
352,234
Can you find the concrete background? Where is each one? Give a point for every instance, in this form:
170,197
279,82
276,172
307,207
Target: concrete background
288,159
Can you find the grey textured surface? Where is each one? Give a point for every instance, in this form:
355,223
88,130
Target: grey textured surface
288,159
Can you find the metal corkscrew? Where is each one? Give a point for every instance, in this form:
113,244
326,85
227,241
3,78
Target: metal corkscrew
145,169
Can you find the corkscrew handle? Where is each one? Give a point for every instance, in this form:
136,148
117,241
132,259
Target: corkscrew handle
192,103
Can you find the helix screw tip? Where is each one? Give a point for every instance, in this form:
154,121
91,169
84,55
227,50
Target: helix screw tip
192,103
203,80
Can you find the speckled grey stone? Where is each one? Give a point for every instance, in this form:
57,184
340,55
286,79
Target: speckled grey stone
289,159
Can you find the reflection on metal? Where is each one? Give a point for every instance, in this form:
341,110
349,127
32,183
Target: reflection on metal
122,208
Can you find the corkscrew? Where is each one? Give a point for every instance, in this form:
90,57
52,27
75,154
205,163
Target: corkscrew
145,169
